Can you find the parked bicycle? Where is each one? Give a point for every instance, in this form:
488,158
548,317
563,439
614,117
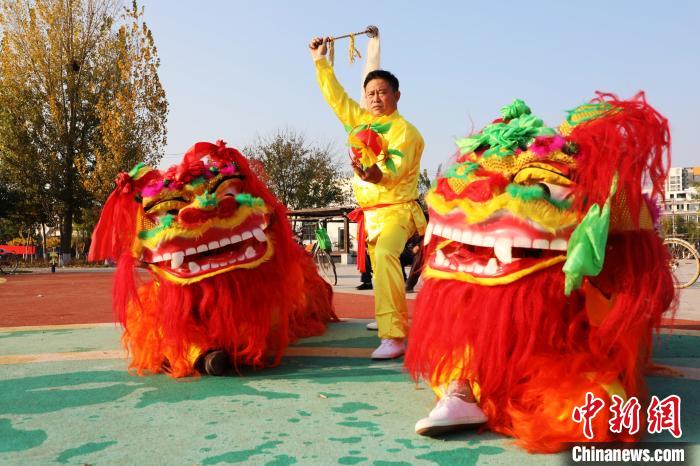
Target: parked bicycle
320,253
9,262
685,261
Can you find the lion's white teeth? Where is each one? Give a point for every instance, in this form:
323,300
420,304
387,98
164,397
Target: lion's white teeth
440,256
428,234
194,267
466,237
502,248
259,235
540,244
559,244
250,252
466,268
446,232
491,268
213,245
522,242
177,259
456,234
246,235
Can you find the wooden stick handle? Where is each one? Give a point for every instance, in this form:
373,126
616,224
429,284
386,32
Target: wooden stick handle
371,31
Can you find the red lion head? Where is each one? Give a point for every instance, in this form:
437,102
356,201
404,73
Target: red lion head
544,274
225,272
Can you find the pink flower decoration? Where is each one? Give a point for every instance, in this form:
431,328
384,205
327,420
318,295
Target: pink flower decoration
545,145
152,189
228,170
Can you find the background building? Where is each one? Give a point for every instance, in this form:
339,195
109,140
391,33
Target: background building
682,194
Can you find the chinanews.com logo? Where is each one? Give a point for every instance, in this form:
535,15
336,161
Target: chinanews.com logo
661,415
630,453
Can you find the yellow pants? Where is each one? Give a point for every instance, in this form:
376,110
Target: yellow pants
389,290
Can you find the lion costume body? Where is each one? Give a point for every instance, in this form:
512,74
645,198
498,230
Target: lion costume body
224,270
545,277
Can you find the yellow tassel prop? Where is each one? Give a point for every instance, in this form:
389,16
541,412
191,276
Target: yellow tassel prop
353,53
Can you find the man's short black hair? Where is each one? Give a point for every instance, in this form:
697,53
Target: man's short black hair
386,76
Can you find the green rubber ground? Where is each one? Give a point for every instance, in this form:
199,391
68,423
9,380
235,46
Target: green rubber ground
310,410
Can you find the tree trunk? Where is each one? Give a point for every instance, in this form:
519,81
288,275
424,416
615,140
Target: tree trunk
44,255
67,234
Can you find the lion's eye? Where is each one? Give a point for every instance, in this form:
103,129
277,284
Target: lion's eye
555,191
166,206
229,188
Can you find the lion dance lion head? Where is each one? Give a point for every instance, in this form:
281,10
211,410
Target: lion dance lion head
545,276
224,270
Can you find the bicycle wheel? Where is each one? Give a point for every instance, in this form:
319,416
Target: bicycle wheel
685,262
8,263
326,267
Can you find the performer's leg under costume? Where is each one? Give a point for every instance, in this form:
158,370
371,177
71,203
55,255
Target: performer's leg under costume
389,295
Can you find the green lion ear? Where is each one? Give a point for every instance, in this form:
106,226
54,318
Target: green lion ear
139,170
587,112
585,254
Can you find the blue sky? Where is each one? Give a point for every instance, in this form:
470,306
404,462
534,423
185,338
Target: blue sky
237,70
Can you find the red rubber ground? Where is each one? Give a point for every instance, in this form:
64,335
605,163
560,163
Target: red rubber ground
81,298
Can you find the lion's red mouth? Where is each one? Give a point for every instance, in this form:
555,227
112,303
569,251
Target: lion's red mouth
217,250
498,247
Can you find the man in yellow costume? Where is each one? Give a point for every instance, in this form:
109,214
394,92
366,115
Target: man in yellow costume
388,150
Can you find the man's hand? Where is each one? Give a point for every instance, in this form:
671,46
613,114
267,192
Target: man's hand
319,47
371,174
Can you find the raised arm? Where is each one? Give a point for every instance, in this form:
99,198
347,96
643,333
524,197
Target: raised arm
347,110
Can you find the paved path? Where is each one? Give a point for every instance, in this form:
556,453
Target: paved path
66,396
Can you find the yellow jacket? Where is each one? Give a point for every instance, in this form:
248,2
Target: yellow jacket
400,188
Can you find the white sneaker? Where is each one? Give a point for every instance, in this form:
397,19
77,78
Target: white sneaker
450,413
389,348
372,325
